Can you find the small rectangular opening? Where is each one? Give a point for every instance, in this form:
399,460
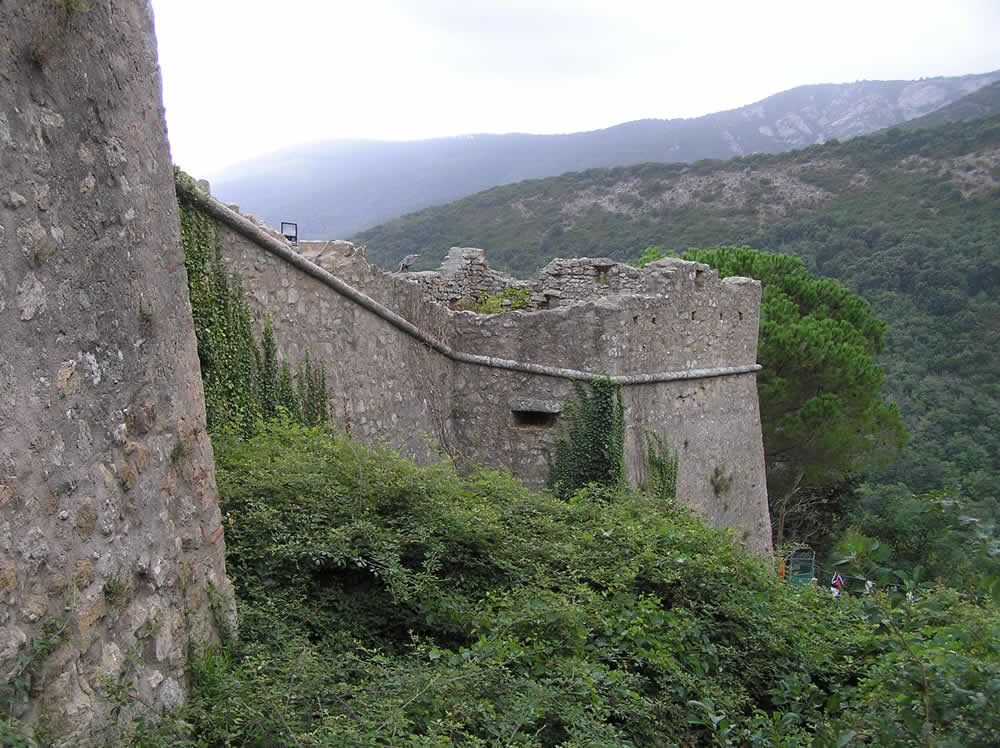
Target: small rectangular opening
535,418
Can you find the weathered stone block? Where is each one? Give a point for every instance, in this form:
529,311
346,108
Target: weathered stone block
86,518
83,573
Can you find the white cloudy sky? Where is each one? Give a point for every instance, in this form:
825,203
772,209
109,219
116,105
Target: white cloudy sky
246,77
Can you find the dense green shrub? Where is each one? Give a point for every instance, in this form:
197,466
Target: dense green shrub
952,539
410,602
517,297
385,604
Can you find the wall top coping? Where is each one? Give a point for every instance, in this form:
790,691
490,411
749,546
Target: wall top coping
284,251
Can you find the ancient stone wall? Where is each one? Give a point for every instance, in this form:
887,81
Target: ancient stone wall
489,389
111,546
463,278
586,279
695,322
383,383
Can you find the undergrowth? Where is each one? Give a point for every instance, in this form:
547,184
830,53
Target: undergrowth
385,604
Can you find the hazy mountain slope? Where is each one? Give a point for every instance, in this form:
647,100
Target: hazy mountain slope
911,220
982,103
336,188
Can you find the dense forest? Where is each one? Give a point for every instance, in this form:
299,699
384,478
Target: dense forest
907,219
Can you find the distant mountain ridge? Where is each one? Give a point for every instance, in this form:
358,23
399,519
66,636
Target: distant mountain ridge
336,188
982,103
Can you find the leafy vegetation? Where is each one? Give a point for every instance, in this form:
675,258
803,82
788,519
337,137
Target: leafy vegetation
948,537
241,379
591,447
385,604
661,469
516,297
15,690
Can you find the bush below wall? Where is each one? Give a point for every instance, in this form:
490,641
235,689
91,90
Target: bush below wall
386,604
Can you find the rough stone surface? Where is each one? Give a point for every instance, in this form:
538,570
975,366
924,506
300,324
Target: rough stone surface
608,318
463,278
93,397
384,384
692,321
585,279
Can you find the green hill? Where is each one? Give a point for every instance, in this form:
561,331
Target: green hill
908,219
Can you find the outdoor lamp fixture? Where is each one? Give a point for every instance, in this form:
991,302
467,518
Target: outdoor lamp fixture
290,231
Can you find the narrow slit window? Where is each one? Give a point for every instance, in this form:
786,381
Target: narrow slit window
534,418
535,413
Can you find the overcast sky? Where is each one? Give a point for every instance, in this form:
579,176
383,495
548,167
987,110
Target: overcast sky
247,77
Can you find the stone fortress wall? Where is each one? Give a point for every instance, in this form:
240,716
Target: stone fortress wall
488,389
111,542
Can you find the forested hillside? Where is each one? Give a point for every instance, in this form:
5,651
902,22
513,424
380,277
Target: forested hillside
337,187
910,220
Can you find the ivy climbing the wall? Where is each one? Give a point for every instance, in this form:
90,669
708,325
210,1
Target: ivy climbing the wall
244,382
661,469
591,447
312,392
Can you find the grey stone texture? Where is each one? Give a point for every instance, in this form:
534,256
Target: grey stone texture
110,532
384,385
470,387
464,276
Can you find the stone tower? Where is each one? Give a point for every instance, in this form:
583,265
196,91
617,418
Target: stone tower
111,547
